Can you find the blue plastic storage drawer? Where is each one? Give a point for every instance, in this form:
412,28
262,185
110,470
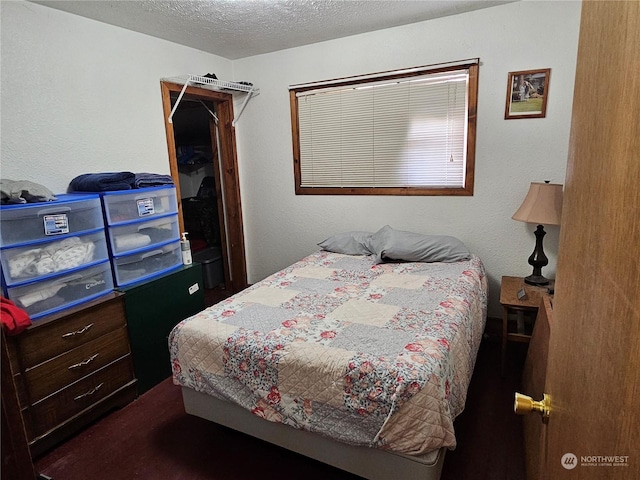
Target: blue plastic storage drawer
147,264
40,260
69,215
81,285
139,235
142,203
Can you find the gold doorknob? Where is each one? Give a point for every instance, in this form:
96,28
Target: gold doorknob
524,404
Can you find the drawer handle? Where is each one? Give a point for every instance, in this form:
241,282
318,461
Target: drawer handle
54,210
78,332
84,363
89,393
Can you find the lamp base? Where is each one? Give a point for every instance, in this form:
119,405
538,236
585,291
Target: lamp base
538,260
536,280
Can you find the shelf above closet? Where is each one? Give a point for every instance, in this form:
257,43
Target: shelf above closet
214,84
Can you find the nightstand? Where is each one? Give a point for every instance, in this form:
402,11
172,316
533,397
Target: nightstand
524,309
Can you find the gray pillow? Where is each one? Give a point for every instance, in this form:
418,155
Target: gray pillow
348,243
388,244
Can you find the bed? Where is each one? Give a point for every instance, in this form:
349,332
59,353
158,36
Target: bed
353,356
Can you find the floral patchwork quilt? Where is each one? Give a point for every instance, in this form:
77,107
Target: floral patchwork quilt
373,355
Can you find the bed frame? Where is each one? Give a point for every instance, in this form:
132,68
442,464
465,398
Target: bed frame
371,463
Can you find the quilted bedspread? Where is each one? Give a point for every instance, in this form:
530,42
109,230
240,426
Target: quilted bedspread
374,355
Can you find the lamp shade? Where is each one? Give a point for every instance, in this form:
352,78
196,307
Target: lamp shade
542,205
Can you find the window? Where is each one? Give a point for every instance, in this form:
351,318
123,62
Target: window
409,132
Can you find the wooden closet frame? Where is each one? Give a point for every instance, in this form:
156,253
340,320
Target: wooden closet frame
235,268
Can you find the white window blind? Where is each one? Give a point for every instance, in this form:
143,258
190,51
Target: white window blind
408,132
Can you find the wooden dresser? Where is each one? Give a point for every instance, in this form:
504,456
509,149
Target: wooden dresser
70,368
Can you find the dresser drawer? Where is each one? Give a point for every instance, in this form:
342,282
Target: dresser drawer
142,203
57,373
62,292
50,412
148,264
69,215
46,340
143,234
39,261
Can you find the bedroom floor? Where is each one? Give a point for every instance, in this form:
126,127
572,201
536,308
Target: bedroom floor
152,438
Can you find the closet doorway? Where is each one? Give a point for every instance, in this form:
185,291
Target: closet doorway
203,165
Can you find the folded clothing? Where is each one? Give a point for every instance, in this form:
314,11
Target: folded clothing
158,235
38,295
146,236
129,241
59,294
24,191
146,265
144,179
14,319
103,182
61,255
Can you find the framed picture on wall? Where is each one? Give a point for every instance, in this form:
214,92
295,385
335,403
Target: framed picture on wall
527,93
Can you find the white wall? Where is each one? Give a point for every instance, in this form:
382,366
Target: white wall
80,96
282,227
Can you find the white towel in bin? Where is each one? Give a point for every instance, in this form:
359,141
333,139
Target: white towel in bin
129,241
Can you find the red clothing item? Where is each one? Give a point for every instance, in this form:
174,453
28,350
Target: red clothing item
14,319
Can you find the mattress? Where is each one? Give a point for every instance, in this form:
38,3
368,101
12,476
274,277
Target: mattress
376,355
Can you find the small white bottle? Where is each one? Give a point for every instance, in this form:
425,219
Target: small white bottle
185,247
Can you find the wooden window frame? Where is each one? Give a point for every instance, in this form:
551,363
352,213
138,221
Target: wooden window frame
466,190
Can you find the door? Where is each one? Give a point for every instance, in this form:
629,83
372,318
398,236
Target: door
225,170
593,368
195,137
534,375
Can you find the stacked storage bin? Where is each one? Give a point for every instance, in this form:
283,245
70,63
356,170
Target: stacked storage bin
143,231
54,254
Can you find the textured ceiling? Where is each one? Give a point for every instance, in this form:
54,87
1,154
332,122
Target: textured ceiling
241,28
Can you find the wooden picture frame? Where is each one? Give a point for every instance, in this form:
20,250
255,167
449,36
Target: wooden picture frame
527,93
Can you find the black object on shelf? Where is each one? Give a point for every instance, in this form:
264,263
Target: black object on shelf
200,213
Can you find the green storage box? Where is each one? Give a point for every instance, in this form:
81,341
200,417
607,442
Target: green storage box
153,309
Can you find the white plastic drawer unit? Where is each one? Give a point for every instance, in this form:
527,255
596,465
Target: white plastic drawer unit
142,203
67,216
39,298
147,264
40,260
141,234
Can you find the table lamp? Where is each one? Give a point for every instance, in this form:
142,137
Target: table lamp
542,206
